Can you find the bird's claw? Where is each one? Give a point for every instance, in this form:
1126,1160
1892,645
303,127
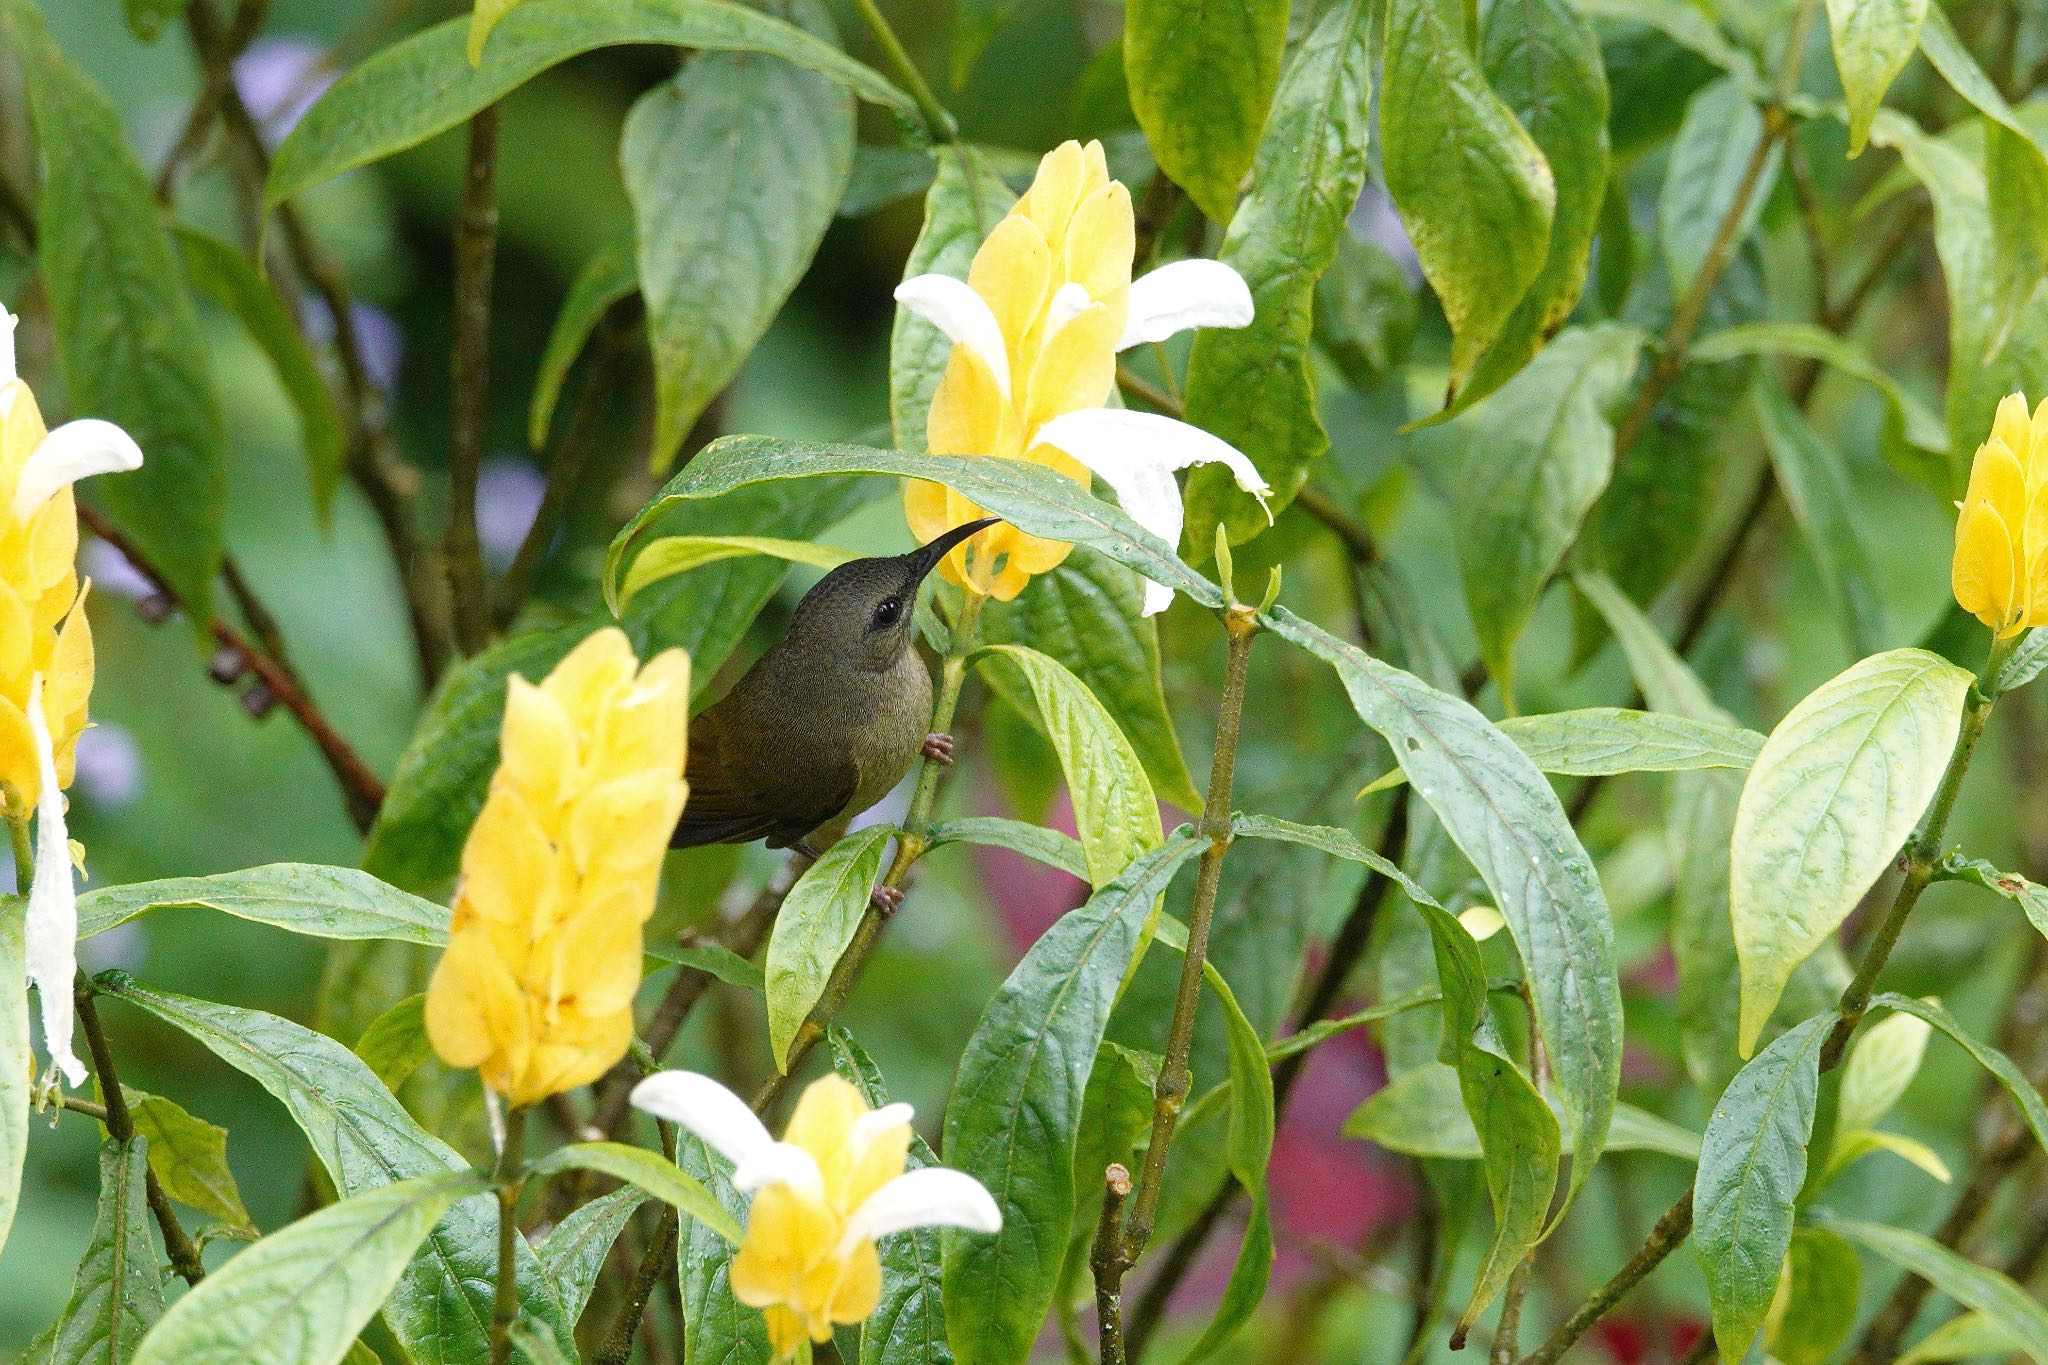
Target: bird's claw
939,748
886,899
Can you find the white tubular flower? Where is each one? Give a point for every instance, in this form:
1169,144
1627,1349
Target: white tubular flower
822,1197
52,925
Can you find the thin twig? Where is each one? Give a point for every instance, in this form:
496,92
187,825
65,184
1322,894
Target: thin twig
1105,1259
654,1267
938,124
509,1174
476,252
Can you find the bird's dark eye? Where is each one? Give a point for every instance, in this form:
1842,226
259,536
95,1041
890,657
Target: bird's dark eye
888,611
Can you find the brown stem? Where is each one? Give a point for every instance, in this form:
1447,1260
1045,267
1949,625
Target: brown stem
654,1267
1106,1260
476,250
510,1174
1502,1351
121,1126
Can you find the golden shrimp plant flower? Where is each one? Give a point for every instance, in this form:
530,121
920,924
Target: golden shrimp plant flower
2000,572
822,1197
46,667
560,871
1046,306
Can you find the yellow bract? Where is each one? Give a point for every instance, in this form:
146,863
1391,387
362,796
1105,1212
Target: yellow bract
42,619
1056,272
794,1264
560,871
2000,573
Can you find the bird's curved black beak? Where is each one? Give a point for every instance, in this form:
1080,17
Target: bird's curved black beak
926,557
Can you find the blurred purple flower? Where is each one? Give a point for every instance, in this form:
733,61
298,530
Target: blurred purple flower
279,78
508,493
110,571
109,766
1373,218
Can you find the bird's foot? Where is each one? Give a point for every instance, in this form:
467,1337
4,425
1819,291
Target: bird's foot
886,899
938,748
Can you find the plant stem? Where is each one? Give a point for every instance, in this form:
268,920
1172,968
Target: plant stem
1922,853
938,124
510,1174
1105,1258
476,250
1170,1092
654,1267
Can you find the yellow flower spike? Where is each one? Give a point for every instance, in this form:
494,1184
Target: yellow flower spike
560,870
822,1197
1036,327
46,668
2000,570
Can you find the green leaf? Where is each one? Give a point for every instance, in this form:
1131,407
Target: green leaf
231,280
1974,1286
668,556
1421,1113
2023,665
1252,385
2031,897
299,1296
441,1309
128,339
1962,1338
305,898
16,1061
1035,842
1364,311
1527,464
1088,614
1699,823
1752,1164
1114,809
1601,741
1502,814
735,168
1851,1147
1815,479
395,1043
607,279
117,1292
1817,1297
1839,785
909,1325
1473,188
1016,1108
1709,160
1201,77
2023,1093
1873,41
1542,60
189,1157
650,1171
967,199
714,960
716,1326
1666,680
483,17
574,1251
814,926
1809,342
1879,1068
424,84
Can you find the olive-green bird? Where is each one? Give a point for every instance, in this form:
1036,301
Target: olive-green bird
828,720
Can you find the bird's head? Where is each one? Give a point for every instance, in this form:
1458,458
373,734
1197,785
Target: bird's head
861,612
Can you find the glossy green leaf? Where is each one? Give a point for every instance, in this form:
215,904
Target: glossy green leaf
966,200
2031,1106
814,926
1035,842
1502,814
117,1292
735,168
1016,1108
1542,60
1601,741
668,556
1839,785
1088,614
1252,385
128,339
395,1043
1526,465
909,1325
1873,40
1974,1286
1699,824
1752,1164
441,1308
650,1171
2031,897
231,280
1962,1338
574,1251
1473,188
1814,476
15,1059
299,1296
716,1326
1709,163
716,961
1115,811
1201,77
189,1157
608,278
424,84
305,898
1817,1299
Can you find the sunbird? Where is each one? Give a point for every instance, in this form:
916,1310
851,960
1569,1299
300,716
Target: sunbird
828,720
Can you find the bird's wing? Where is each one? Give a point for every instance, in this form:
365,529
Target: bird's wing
724,808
